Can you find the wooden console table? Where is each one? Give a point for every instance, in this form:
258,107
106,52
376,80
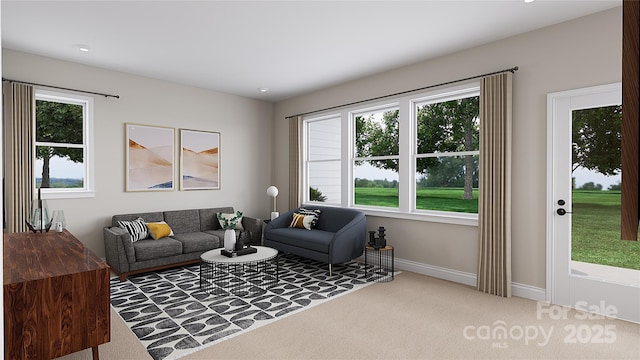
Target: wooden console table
56,296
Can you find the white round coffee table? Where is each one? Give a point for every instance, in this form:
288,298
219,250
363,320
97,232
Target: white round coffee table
239,275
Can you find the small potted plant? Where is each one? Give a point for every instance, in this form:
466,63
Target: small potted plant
228,223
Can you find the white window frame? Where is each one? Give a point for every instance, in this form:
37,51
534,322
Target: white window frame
407,149
306,161
88,190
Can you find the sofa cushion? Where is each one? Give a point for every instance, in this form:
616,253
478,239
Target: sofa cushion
197,241
150,249
183,221
136,228
316,240
151,216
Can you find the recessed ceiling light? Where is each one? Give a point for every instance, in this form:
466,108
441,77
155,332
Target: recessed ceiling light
263,89
83,48
529,1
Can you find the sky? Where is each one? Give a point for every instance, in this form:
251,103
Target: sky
60,168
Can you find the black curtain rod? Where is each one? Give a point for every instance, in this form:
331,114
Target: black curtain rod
61,88
513,69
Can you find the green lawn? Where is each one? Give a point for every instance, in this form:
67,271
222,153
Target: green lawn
595,226
442,199
596,231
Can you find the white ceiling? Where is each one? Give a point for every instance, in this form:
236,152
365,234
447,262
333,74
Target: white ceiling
290,47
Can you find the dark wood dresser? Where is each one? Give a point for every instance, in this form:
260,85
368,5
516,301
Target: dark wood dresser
56,296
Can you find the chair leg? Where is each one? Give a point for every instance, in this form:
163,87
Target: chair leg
329,269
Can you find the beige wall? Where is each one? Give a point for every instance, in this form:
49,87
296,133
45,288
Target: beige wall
244,124
575,54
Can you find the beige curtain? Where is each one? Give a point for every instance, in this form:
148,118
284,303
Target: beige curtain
494,205
19,112
295,165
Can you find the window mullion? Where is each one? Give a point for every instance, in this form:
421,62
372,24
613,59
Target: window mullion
405,189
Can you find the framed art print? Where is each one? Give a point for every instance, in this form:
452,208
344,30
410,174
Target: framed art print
199,160
150,158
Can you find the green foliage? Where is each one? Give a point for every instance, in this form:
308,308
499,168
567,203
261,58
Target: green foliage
229,223
61,183
616,187
591,186
375,183
451,172
597,139
58,123
316,195
378,138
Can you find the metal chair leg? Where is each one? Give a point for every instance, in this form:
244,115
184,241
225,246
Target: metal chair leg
329,269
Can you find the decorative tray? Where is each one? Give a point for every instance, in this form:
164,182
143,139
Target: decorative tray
245,251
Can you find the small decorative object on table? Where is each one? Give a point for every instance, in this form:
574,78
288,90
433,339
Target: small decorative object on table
232,246
379,257
377,242
39,219
229,224
381,241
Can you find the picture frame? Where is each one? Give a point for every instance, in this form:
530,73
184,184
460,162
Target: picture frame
199,160
150,158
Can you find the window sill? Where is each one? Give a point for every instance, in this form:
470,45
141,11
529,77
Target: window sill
465,219
438,217
68,195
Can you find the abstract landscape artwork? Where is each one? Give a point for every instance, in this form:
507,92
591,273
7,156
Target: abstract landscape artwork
150,158
199,160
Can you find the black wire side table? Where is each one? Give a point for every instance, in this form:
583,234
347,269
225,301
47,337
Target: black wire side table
379,263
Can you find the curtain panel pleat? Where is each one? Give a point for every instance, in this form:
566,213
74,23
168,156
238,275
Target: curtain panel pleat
295,165
494,203
19,112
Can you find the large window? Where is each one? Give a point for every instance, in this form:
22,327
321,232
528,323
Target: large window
414,155
63,145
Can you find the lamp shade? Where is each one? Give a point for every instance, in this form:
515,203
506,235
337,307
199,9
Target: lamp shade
272,191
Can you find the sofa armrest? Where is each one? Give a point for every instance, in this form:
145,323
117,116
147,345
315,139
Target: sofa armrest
118,248
254,226
281,221
349,240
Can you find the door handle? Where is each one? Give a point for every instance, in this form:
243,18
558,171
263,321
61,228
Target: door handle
562,211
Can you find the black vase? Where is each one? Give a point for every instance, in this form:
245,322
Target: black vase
372,238
239,242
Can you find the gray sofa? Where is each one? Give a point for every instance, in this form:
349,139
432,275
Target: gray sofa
338,237
195,231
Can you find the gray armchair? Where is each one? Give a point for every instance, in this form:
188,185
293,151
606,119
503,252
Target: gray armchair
338,237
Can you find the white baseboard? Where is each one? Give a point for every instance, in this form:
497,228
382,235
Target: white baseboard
466,278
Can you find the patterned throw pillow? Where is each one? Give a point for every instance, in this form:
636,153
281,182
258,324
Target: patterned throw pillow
313,212
230,219
159,230
136,228
301,221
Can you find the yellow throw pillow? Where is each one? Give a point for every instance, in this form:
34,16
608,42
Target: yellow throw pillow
159,230
301,221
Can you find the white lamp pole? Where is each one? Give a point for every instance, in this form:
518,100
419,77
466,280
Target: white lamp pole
272,191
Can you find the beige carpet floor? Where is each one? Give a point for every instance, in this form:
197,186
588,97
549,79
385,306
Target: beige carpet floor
415,317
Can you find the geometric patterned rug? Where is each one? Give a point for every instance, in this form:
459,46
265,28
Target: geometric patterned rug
172,317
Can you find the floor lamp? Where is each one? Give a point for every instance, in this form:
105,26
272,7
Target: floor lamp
272,191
